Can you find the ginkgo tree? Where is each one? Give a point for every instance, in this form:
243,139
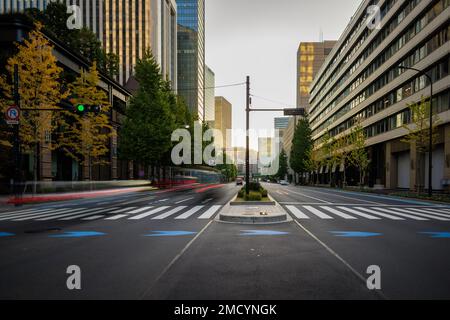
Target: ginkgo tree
39,88
84,137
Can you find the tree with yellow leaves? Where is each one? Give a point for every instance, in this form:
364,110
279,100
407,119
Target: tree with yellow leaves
85,137
39,88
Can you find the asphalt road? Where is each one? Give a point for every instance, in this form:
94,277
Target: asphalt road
166,245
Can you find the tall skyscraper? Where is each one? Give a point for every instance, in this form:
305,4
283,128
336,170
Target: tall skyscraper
126,28
191,54
209,95
310,57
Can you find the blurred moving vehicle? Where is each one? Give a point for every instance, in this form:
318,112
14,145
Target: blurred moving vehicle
239,181
284,183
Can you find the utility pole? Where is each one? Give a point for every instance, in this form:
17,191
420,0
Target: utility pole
16,130
247,139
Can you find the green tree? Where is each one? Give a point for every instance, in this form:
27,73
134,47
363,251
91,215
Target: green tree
85,137
359,157
301,146
146,132
283,165
419,135
40,88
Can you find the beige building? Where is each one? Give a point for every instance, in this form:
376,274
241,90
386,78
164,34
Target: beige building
310,58
223,119
361,82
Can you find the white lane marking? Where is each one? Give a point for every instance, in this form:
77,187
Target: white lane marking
139,210
207,200
385,215
435,211
426,215
304,195
210,212
169,213
356,273
149,213
338,213
84,215
39,215
123,209
7,213
189,213
184,200
163,200
117,217
361,214
401,214
93,217
297,213
318,213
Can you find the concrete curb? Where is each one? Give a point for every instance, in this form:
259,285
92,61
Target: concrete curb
231,214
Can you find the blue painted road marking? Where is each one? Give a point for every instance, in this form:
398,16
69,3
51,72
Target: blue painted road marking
169,233
437,235
77,234
355,234
6,234
262,233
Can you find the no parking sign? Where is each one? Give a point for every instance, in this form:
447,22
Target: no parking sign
12,115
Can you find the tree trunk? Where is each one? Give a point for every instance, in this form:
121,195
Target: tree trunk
35,168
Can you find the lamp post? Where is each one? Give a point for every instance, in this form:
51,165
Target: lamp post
430,143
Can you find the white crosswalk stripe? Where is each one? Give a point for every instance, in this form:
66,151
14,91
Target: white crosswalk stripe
418,213
169,213
74,211
117,217
361,214
210,212
189,213
318,213
12,215
338,213
139,210
439,212
381,214
94,217
123,210
84,215
297,213
148,213
48,214
402,214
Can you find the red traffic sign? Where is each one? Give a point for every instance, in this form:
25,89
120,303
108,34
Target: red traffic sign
12,115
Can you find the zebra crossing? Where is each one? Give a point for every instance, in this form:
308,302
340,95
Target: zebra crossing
328,212
201,212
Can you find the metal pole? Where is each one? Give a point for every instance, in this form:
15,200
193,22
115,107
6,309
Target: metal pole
16,149
247,151
430,146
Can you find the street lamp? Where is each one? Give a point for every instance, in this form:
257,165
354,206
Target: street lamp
430,143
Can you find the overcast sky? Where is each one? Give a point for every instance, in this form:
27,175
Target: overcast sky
260,38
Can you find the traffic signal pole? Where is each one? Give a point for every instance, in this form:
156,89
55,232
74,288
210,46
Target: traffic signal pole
16,146
247,140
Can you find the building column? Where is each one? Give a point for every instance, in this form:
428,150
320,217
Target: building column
447,155
391,167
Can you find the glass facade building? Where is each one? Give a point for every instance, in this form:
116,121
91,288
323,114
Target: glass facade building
191,54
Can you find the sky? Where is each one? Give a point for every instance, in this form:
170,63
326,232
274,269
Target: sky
259,38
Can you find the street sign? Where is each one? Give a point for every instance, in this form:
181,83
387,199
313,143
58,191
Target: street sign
12,115
294,112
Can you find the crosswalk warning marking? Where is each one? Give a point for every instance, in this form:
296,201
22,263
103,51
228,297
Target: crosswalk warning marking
83,215
361,214
169,213
403,214
426,215
139,210
381,214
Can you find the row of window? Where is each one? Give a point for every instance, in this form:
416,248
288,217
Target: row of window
390,27
404,38
322,85
414,85
441,103
411,31
436,41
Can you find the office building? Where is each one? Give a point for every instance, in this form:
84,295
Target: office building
361,82
126,28
191,54
310,57
223,119
210,83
